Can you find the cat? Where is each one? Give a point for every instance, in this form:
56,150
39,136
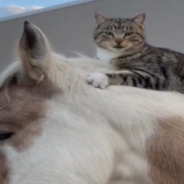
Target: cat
122,42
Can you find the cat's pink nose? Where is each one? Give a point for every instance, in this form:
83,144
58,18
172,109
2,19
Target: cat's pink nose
118,41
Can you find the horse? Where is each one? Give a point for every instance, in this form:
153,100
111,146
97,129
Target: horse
56,128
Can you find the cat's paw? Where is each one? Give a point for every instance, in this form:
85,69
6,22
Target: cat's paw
98,80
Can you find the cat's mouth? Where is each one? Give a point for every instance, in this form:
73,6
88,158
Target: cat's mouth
118,47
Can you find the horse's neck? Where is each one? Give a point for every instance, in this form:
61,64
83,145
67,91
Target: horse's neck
90,102
139,108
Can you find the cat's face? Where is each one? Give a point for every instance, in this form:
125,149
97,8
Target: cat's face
119,35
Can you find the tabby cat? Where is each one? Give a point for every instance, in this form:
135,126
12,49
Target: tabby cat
122,42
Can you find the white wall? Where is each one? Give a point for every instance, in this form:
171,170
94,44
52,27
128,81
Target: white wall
70,29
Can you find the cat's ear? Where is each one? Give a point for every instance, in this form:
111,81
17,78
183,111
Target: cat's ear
100,18
139,19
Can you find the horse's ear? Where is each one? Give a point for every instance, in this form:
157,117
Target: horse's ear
35,52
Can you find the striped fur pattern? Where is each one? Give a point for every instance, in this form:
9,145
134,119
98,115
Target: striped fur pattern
135,62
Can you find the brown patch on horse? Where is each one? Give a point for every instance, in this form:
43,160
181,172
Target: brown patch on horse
22,113
21,107
3,169
165,151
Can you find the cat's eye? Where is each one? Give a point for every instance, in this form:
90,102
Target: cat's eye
109,34
129,34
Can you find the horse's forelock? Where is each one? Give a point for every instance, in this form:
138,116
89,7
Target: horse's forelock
9,72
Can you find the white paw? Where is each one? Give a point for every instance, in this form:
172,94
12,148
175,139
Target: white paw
98,80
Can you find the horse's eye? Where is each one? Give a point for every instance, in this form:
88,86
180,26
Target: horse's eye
5,135
129,34
14,80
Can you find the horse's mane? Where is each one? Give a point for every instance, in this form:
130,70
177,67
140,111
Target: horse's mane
80,60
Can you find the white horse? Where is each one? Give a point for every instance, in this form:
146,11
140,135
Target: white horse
57,129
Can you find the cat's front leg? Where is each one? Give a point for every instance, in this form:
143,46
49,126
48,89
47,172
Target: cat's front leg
136,78
102,80
98,80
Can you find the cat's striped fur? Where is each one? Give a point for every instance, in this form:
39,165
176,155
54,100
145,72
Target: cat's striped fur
148,66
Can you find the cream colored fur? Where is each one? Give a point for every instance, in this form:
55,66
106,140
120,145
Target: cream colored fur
91,136
106,55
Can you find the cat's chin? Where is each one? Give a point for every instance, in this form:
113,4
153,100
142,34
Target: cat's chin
107,54
118,47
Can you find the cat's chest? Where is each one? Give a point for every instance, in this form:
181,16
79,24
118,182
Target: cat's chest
106,56
128,63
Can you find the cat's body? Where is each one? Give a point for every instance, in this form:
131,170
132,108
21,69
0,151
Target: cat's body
151,67
136,63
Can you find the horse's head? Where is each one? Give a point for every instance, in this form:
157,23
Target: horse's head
24,87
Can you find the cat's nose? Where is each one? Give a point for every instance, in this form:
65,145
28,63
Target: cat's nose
118,41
